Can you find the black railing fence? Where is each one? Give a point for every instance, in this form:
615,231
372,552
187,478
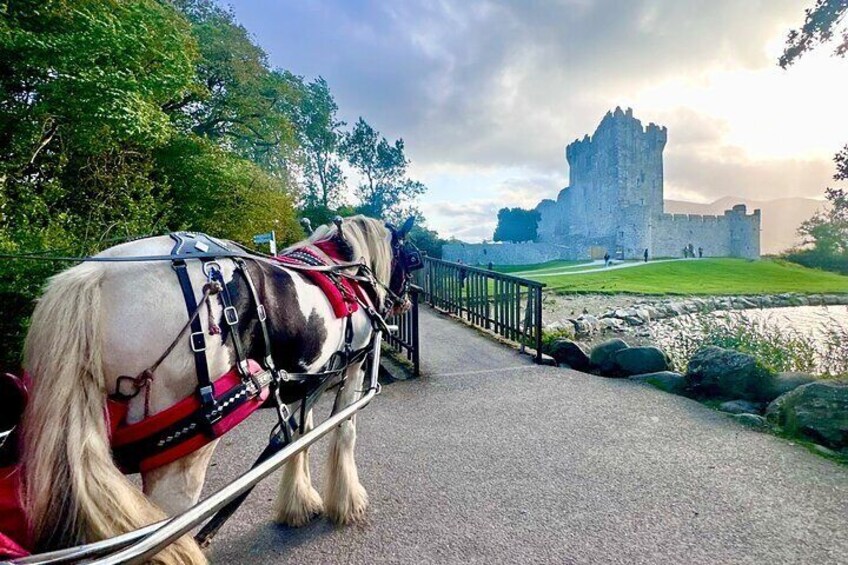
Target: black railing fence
508,306
406,340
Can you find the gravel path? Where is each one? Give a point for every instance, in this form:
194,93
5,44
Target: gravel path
490,459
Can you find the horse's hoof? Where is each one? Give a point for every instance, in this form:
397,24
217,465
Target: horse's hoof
299,511
349,509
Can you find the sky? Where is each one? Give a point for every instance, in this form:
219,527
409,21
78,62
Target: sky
487,94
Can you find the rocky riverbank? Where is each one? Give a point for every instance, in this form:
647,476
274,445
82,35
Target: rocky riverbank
789,403
587,316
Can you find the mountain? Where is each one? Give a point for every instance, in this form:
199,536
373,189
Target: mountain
780,220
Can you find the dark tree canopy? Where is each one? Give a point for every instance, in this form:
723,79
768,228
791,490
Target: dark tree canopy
822,23
516,224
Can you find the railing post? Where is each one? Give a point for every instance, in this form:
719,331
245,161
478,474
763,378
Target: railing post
416,349
538,323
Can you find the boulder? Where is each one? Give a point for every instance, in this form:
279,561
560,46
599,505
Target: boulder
601,356
724,373
613,325
669,381
570,353
639,360
752,420
817,411
786,381
741,407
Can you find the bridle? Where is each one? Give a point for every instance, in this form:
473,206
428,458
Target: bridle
406,259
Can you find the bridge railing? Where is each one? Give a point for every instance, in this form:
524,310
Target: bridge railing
406,340
506,305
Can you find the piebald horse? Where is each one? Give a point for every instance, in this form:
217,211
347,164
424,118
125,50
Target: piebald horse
98,321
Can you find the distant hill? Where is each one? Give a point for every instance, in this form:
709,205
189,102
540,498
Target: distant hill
781,216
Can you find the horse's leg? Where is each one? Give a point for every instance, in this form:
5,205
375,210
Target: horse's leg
346,499
176,486
297,500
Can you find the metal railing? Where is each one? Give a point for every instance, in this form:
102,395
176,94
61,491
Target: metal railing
406,340
506,305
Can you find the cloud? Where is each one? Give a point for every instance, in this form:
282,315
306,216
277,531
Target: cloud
490,87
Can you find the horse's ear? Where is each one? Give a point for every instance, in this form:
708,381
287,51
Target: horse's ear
407,226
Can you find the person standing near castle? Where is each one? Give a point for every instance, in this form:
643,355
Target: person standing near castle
700,252
646,255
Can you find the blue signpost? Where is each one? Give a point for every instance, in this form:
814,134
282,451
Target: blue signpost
270,238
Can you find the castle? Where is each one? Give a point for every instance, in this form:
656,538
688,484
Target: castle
614,204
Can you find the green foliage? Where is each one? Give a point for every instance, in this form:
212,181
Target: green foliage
777,346
237,100
121,119
517,224
320,136
385,191
427,241
216,192
821,23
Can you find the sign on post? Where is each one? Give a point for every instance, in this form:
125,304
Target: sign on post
270,238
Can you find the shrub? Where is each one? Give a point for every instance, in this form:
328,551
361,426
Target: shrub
778,348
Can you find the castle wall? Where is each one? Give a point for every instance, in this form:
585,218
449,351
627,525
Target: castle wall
524,253
735,234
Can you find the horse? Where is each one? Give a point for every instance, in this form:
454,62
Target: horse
97,321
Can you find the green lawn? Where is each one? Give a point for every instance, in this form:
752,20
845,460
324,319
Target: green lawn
703,276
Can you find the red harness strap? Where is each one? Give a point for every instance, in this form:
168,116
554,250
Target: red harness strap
179,430
341,293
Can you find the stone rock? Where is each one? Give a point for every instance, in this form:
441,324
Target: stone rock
601,356
586,325
570,353
817,411
786,381
725,373
741,407
612,325
752,420
669,381
639,360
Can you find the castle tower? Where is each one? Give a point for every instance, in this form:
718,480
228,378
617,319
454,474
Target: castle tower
616,183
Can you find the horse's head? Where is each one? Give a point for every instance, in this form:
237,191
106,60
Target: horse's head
384,250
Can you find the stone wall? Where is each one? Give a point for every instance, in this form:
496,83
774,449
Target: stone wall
735,234
525,253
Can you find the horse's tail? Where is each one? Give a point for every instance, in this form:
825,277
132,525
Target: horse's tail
73,491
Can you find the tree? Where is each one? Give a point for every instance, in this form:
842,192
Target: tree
237,101
385,191
821,23
826,233
319,133
516,224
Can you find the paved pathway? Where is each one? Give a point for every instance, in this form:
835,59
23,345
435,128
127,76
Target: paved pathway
490,459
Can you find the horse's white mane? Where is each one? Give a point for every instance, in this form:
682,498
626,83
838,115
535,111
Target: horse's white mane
369,241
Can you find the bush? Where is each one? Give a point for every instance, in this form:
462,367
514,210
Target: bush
815,260
776,347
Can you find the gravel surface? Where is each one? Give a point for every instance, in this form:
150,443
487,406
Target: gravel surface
491,459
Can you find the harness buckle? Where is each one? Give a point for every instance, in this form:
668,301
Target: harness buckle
198,342
260,313
211,412
231,315
209,267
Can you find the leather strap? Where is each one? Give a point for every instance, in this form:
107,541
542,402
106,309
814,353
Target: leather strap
260,315
197,340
